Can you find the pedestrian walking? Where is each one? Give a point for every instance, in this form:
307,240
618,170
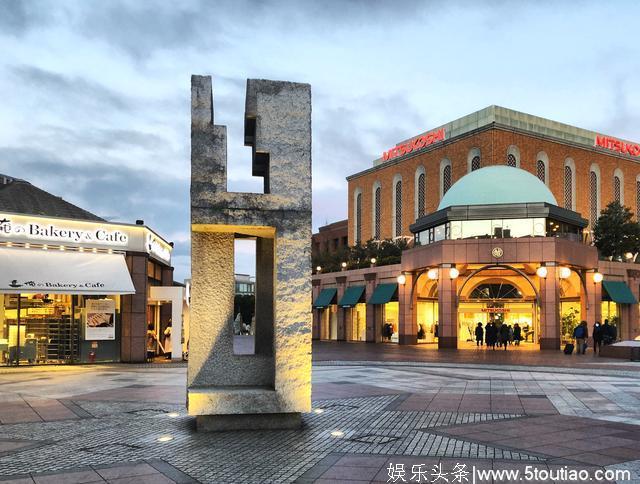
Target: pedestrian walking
504,335
597,337
479,334
517,334
580,335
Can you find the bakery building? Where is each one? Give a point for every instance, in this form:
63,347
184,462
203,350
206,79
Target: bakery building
499,206
75,288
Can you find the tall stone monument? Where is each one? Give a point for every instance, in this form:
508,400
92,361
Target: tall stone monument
270,388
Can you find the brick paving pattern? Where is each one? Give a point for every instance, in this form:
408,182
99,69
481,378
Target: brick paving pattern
77,425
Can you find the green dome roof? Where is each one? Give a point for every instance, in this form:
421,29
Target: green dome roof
495,185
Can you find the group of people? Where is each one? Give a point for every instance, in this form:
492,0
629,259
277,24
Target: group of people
493,335
603,334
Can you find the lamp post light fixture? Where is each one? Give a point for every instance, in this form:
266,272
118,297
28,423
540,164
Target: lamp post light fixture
542,272
564,272
402,279
318,269
373,261
344,266
597,277
454,273
432,274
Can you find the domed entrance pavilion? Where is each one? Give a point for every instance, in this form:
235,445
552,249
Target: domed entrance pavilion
499,248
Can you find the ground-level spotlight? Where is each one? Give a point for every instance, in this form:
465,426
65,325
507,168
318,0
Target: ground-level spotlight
402,279
541,272
337,433
165,438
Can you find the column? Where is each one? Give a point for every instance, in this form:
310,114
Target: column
447,310
550,310
341,282
316,313
407,314
370,286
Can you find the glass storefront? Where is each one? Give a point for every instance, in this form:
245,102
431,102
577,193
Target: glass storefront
427,321
58,328
358,322
390,325
509,313
329,329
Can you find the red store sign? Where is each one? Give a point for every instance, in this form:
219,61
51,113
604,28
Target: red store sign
414,145
614,144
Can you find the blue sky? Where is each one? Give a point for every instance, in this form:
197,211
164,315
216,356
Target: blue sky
95,95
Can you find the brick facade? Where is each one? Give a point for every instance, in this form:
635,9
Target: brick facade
494,143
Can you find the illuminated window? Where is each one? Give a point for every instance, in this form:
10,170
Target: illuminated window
511,160
541,171
446,179
376,212
398,209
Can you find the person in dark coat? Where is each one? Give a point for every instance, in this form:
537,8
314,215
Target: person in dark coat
517,334
490,335
607,333
504,335
479,334
597,337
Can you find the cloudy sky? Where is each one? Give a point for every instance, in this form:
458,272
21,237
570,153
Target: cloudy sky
95,99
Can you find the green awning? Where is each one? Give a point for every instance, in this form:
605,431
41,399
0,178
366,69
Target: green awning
325,298
351,296
619,292
383,293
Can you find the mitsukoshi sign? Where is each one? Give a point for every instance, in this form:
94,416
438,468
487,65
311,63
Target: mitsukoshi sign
415,144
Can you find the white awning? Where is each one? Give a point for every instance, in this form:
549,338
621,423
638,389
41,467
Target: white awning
63,272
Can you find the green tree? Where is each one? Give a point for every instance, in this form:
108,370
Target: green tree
615,233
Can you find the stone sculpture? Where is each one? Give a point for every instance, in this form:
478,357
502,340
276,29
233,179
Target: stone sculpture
268,389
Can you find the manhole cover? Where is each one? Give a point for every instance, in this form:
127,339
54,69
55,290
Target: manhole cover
375,439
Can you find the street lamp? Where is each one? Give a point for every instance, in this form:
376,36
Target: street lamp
597,277
541,272
402,279
454,273
318,269
344,266
564,272
373,261
432,274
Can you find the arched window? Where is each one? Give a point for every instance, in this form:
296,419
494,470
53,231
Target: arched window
618,186
542,167
594,196
569,184
397,206
513,156
445,176
357,216
638,198
377,194
474,161
420,192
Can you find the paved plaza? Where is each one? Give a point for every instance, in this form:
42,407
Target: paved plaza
373,421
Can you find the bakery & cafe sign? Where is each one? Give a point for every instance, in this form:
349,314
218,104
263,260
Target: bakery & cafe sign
32,231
